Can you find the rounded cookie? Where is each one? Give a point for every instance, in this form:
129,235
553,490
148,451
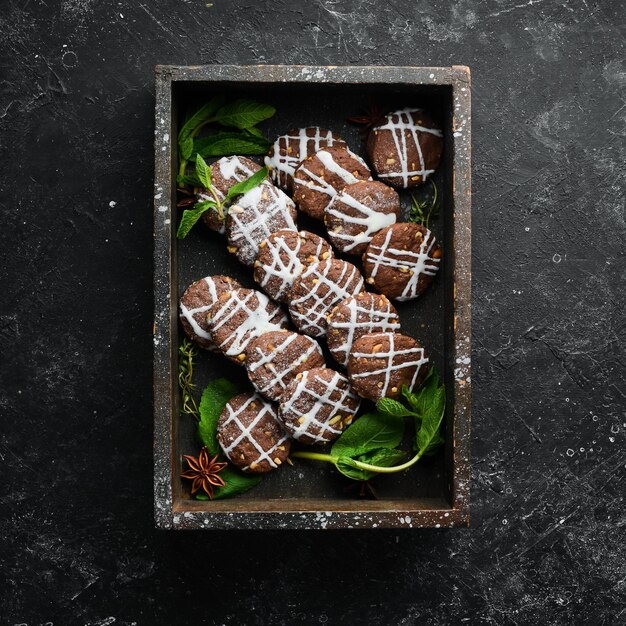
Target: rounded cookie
283,256
320,176
317,406
256,215
250,434
318,289
359,211
402,260
225,173
357,316
289,150
380,363
275,358
406,148
197,300
238,317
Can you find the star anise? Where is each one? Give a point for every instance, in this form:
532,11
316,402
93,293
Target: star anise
373,116
204,472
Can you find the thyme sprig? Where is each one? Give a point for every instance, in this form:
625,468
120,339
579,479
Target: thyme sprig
422,211
186,354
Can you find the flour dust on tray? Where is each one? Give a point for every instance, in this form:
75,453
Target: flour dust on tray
275,358
380,363
402,260
225,173
357,316
320,176
358,212
283,256
256,215
406,149
238,317
198,298
250,435
318,405
318,289
291,149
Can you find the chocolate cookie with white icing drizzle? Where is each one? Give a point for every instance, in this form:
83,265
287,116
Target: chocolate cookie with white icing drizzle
238,317
320,176
402,260
275,358
195,303
317,406
380,363
318,289
406,149
257,214
359,315
291,149
225,173
358,212
250,434
283,256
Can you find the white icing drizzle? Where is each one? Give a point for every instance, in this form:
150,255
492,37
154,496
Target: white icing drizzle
307,403
247,431
323,186
324,294
391,366
258,213
369,221
270,360
283,166
189,314
373,318
286,265
258,320
418,263
397,128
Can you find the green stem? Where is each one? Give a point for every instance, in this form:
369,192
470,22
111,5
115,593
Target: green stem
327,458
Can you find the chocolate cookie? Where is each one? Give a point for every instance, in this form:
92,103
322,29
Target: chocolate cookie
238,317
359,211
320,176
257,214
196,301
283,256
318,289
274,359
317,406
380,363
402,260
225,173
250,435
406,148
357,316
291,149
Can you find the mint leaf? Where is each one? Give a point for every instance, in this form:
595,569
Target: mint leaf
183,179
186,148
203,172
191,216
382,457
428,437
246,185
389,406
225,144
214,398
369,432
244,113
236,482
193,123
257,132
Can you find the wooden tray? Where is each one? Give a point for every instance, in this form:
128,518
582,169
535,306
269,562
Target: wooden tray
435,492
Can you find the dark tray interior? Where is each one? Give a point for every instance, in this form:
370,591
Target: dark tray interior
428,319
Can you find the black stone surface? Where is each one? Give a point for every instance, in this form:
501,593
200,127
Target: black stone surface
546,544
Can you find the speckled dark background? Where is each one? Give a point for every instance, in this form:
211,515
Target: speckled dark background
546,544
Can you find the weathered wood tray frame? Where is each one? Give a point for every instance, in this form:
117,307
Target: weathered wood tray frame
173,507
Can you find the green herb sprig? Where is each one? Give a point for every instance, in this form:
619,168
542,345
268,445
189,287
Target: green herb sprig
203,176
423,211
186,354
370,445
